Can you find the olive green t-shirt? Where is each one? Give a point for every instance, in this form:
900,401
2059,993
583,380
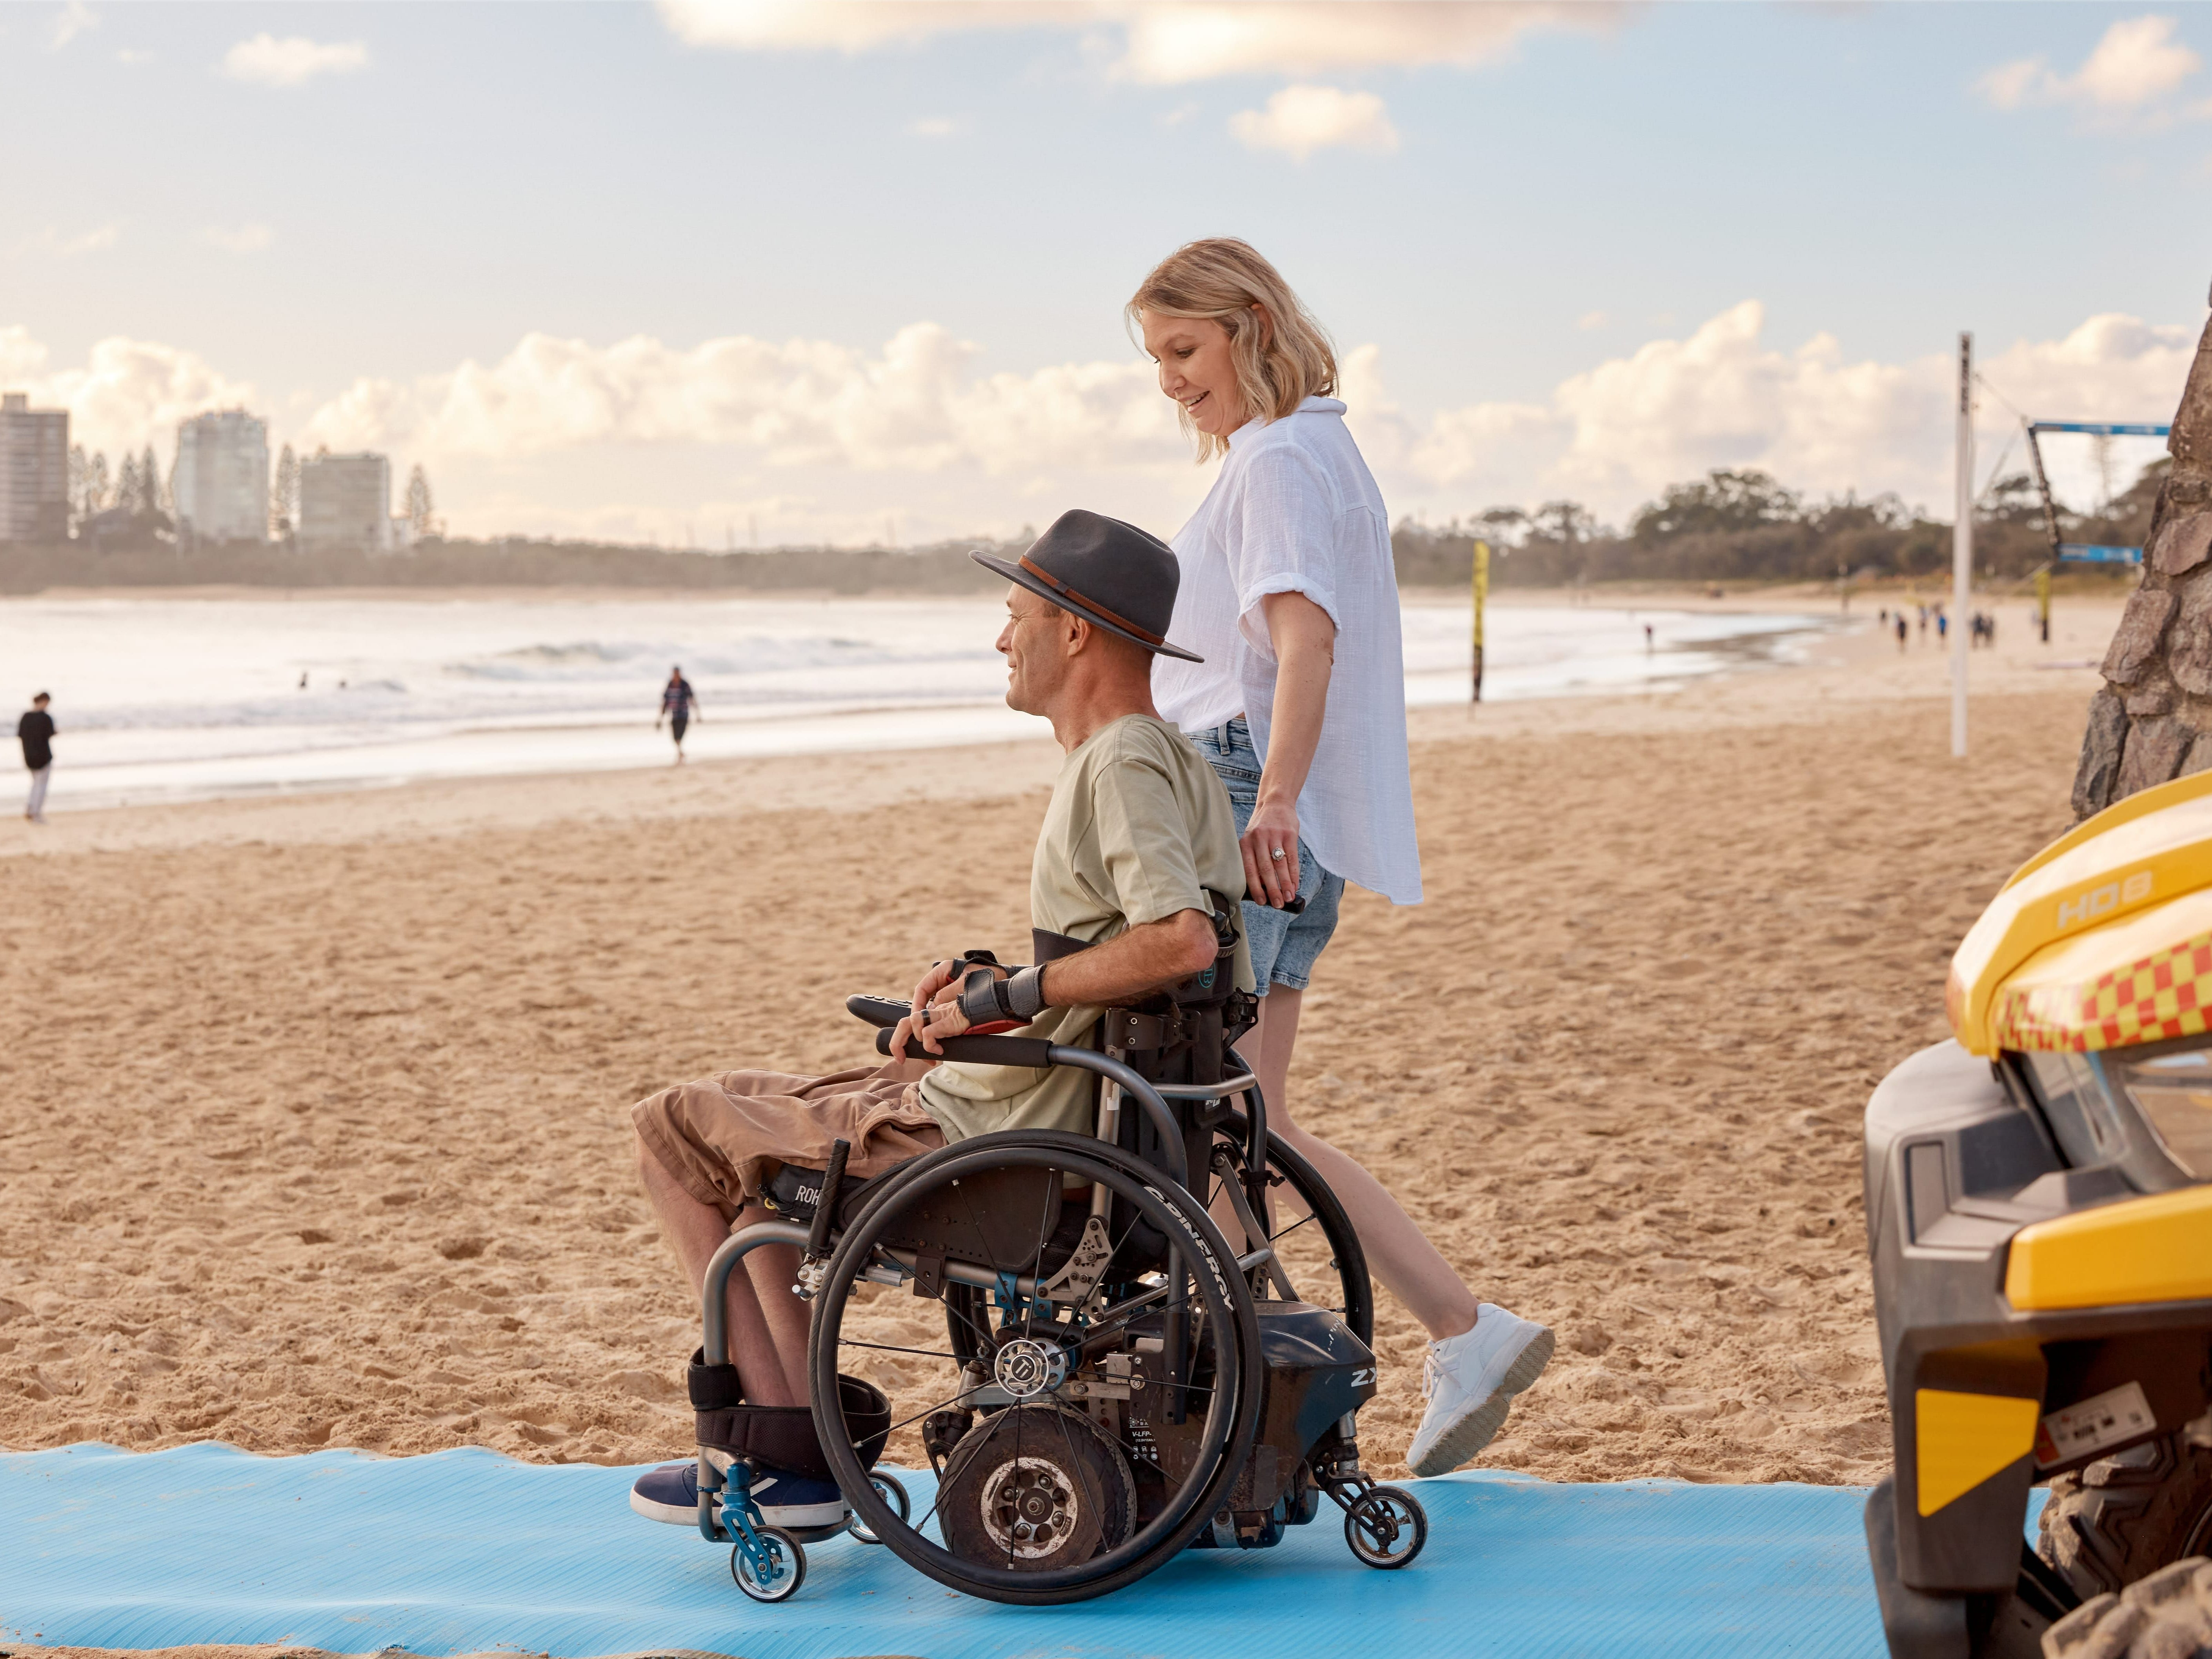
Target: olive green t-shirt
1138,829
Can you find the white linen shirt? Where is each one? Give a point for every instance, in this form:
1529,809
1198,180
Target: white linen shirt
1295,510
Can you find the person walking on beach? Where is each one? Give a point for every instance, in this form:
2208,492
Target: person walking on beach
36,731
679,702
1904,630
1289,595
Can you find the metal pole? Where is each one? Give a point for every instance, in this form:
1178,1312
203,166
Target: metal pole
1481,593
1962,547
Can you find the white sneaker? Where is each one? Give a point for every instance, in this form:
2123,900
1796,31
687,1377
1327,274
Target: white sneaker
1470,1381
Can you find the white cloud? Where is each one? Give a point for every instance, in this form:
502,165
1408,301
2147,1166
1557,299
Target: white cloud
51,242
1591,319
1299,120
1176,43
293,61
803,403
244,239
128,393
1615,434
821,438
2138,62
934,126
74,19
1160,44
127,55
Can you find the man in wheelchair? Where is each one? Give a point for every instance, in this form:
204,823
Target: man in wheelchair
1138,832
1126,1368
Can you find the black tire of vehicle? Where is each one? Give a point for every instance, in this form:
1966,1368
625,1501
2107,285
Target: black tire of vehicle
2167,1615
2123,1517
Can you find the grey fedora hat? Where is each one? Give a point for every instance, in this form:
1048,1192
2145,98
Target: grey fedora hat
1112,574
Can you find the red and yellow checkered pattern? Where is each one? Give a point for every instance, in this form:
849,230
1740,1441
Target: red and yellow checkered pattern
2164,994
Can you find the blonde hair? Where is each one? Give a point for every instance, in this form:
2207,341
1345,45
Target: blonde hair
1221,279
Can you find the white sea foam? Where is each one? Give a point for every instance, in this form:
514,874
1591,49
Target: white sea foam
168,699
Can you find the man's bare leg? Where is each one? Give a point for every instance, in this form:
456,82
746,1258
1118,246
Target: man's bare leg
767,1327
1397,1250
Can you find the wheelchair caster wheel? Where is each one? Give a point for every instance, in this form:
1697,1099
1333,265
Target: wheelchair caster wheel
786,1569
1386,1527
889,1489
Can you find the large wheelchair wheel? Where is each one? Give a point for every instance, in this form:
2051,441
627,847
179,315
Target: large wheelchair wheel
1354,1297
1090,1425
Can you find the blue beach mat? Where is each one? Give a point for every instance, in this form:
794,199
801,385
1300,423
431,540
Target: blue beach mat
464,1551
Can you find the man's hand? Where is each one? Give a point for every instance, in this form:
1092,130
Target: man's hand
936,1014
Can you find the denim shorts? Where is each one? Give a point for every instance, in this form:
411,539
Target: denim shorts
1285,947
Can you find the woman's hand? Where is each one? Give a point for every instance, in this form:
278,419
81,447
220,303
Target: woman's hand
1270,846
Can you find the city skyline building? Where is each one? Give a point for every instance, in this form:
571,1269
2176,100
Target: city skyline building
345,502
221,478
33,471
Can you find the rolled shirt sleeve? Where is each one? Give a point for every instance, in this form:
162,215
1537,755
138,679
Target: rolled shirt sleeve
1283,540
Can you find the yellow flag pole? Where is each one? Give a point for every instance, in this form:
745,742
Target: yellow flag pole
1481,593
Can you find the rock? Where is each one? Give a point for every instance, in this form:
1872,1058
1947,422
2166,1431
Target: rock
2153,696
2191,442
2189,642
2154,754
2135,642
2200,756
2100,754
2183,545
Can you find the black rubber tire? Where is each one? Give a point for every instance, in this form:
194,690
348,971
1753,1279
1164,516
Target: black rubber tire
1222,1297
2123,1517
1358,1290
784,1588
893,1491
1409,1523
2167,1615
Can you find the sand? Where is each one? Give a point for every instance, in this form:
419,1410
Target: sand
312,1119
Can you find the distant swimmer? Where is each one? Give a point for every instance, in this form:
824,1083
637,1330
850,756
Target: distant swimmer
678,703
1647,647
36,730
1904,630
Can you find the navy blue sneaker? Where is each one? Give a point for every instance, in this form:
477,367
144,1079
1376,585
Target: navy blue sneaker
671,1493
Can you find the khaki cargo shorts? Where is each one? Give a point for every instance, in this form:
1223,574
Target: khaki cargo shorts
725,1136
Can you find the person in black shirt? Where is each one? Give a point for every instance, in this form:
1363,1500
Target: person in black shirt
36,729
678,704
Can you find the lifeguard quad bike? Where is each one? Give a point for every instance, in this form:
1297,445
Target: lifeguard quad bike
2039,1205
1114,1382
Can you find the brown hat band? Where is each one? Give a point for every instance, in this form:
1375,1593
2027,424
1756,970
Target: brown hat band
1085,603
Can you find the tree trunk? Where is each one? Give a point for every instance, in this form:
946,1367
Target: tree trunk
2153,720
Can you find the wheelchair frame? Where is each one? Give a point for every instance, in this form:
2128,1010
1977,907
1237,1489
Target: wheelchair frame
1384,1525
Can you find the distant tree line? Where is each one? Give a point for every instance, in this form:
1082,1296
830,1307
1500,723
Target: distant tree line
1741,525
1732,526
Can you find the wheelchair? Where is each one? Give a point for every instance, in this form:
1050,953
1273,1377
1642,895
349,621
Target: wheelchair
1117,1382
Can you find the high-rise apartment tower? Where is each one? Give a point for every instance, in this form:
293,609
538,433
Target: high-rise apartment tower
345,502
221,480
33,471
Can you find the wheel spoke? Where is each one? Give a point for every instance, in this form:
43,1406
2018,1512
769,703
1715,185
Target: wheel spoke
886,1348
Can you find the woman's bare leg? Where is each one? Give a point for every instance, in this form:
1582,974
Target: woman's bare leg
1397,1250
767,1328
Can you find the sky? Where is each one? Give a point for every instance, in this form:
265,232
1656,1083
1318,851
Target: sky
717,273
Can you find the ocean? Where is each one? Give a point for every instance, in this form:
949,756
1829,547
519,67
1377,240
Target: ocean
169,699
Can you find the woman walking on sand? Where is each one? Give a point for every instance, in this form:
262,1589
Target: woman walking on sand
1289,594
679,702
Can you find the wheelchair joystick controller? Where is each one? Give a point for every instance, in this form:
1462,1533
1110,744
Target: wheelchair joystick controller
816,1265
